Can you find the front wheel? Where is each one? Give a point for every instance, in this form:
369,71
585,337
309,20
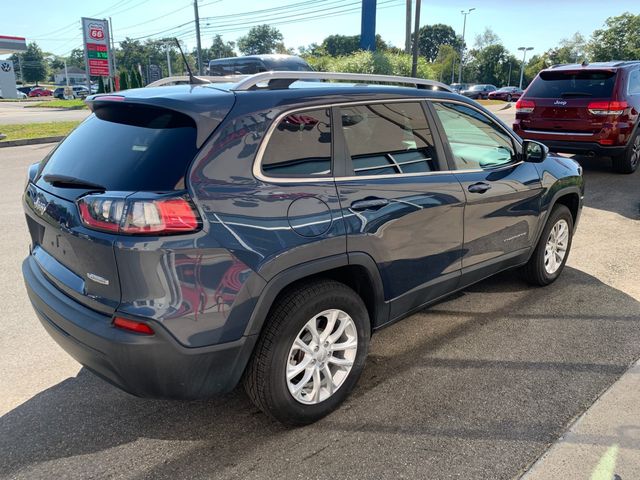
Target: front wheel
509,98
310,354
628,161
551,253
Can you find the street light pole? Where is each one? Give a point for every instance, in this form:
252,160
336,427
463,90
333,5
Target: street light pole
524,56
464,28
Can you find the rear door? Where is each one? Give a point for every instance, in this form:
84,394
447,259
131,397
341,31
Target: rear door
502,193
120,150
562,101
399,206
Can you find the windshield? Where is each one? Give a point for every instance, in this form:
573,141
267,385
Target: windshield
567,84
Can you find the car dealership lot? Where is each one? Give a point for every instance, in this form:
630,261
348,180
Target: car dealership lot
19,112
476,387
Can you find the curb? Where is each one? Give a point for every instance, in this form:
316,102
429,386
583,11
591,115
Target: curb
30,141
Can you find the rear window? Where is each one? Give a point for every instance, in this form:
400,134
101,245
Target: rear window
128,148
584,84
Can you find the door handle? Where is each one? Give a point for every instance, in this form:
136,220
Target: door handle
369,204
479,187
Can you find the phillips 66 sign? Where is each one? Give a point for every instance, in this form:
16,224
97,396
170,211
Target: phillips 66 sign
96,46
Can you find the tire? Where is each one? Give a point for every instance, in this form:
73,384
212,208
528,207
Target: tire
628,161
509,98
265,379
536,271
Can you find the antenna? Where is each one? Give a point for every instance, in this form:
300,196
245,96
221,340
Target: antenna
192,79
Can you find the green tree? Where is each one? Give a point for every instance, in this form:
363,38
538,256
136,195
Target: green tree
76,58
260,39
490,64
220,49
486,38
619,40
133,78
34,67
569,50
445,64
432,37
124,80
101,88
337,45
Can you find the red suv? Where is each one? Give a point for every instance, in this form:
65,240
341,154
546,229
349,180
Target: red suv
590,109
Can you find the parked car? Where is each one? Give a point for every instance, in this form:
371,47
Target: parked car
506,93
273,229
24,90
184,80
479,92
78,91
251,64
21,95
458,87
591,109
40,92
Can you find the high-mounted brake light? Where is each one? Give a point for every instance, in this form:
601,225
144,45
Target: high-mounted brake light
112,98
135,216
525,106
132,326
607,108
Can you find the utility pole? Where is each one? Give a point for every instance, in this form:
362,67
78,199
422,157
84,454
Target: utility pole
198,43
414,64
524,56
464,28
112,79
407,33
66,74
168,59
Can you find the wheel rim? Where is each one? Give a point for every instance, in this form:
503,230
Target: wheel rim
635,152
508,98
321,356
556,248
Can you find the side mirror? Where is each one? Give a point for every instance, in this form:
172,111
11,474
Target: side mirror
534,152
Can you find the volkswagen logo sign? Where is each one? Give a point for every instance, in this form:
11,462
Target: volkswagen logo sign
5,66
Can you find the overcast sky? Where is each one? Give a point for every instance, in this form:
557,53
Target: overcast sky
537,23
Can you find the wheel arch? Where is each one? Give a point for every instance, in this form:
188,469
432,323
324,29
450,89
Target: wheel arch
356,270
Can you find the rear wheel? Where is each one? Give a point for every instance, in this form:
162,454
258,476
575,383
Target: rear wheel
628,161
310,354
509,97
551,253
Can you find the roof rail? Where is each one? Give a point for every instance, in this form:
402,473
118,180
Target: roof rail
284,79
626,62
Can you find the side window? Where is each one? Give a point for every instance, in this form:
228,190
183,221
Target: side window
634,82
300,146
385,139
475,140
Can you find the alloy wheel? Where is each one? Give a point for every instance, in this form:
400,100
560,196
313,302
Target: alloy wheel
321,356
635,152
556,247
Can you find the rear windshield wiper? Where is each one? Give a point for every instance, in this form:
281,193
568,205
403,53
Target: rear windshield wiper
64,181
575,94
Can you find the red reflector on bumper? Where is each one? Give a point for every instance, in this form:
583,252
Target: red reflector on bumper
132,326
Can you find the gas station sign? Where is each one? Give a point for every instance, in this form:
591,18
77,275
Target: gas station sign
96,47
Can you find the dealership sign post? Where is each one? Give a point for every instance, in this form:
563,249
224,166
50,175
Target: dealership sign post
95,34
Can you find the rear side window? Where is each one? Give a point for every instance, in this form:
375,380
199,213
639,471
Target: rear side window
582,84
300,146
634,82
387,139
128,148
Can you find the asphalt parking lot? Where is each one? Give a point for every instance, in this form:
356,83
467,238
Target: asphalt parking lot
19,112
476,387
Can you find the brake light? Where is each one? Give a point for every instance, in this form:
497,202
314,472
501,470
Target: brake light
139,216
607,108
132,326
525,106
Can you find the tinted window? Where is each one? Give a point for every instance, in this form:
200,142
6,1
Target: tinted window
475,140
300,146
559,84
128,148
389,138
634,82
241,66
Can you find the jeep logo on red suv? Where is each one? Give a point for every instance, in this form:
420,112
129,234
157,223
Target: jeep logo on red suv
560,102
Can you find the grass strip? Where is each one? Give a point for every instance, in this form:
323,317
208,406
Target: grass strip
36,130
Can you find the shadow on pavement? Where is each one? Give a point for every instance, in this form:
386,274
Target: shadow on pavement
607,190
475,387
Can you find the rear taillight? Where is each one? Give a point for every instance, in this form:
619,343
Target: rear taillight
525,106
132,326
139,216
607,108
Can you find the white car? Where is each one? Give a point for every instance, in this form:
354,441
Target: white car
21,95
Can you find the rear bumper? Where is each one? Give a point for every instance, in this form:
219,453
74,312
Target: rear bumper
154,366
582,148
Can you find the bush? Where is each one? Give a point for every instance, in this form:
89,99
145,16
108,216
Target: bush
381,63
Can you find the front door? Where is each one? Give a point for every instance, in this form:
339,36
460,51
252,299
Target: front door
502,193
398,204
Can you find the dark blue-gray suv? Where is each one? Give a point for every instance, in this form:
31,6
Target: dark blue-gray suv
188,238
